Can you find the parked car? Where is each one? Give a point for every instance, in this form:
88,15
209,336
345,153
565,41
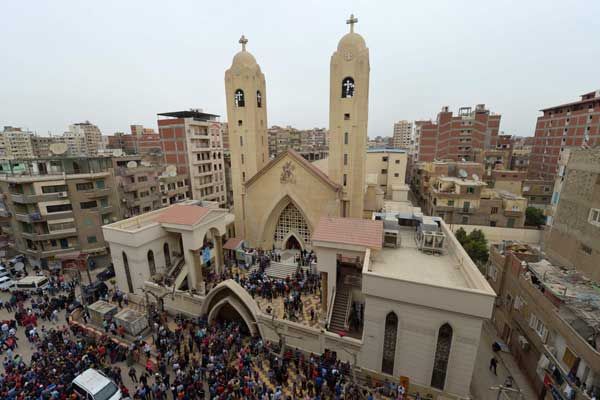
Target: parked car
6,283
107,273
94,385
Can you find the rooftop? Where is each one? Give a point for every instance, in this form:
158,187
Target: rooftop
460,181
350,231
182,214
197,114
386,151
407,262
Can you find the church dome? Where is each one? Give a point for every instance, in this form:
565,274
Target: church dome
244,58
353,40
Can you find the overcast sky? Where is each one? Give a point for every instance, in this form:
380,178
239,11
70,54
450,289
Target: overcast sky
118,63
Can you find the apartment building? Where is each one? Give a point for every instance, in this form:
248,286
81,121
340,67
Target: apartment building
137,182
92,137
145,143
507,180
458,137
41,145
191,141
311,143
522,147
58,206
387,167
538,192
548,316
225,135
173,188
16,143
380,142
402,135
566,125
574,238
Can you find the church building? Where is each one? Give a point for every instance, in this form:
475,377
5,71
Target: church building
277,203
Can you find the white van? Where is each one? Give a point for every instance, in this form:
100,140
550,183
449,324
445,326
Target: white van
93,385
32,283
3,271
6,283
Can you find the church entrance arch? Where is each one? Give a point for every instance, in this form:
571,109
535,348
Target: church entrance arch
291,228
292,243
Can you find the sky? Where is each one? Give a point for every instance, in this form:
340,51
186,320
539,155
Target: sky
117,63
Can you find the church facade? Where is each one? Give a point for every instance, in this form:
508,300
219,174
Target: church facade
277,203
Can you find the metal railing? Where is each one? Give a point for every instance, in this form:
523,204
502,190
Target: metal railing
330,309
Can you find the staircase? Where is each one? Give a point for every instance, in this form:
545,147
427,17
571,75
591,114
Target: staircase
340,308
178,273
279,270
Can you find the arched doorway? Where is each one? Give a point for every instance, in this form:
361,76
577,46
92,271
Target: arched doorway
227,313
167,255
151,264
291,220
292,243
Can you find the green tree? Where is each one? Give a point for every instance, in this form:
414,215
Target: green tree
534,217
475,244
461,235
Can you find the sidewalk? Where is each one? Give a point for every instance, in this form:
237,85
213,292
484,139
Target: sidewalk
484,379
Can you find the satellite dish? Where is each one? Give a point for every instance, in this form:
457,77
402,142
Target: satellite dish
132,164
58,148
462,173
475,177
117,152
170,169
19,266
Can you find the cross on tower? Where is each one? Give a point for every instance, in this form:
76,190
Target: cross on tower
351,22
243,41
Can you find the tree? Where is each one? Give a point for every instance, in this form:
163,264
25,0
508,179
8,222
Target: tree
475,244
534,217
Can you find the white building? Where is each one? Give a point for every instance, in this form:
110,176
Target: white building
92,137
402,137
15,143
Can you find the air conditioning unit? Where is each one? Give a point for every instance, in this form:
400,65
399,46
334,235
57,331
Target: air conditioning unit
63,195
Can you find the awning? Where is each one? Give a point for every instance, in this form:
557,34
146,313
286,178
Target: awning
233,244
68,256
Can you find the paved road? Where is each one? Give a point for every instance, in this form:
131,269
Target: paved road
483,378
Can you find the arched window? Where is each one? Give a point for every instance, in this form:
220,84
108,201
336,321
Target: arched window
258,99
127,273
442,355
347,88
239,98
390,335
345,137
167,254
151,265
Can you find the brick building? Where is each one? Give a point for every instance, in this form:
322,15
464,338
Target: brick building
457,137
566,125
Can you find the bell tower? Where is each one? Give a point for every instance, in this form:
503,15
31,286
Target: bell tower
246,95
348,118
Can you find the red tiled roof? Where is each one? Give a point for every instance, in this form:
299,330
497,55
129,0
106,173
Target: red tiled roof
181,214
352,231
232,244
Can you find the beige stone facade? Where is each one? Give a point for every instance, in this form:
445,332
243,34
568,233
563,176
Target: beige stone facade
388,169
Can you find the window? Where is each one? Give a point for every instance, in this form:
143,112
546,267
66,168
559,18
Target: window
258,99
397,161
127,272
105,219
594,217
384,172
465,220
470,189
242,158
538,326
442,355
88,204
346,116
345,159
390,338
384,159
100,184
151,264
492,223
241,141
59,208
586,249
347,88
84,186
396,175
238,98
243,177
104,202
240,122
450,203
92,239
54,189
142,179
494,210
345,179
345,137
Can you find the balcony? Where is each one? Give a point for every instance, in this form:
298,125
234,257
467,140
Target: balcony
512,213
51,252
464,210
95,193
59,215
30,218
50,235
36,198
